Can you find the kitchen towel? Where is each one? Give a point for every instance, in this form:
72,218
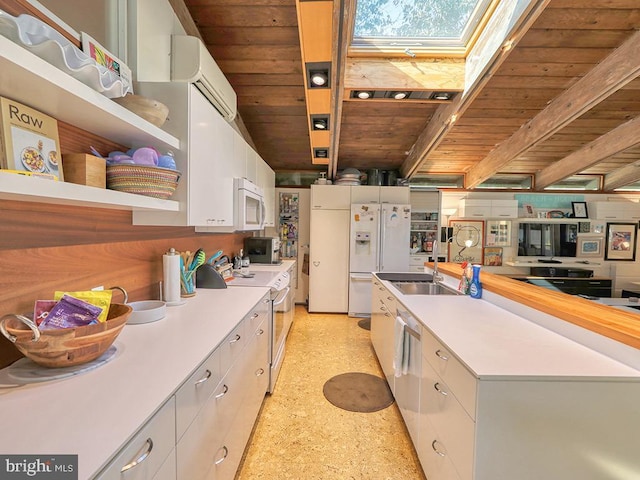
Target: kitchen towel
401,351
171,277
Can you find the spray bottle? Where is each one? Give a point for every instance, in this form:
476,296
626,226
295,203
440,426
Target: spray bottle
475,288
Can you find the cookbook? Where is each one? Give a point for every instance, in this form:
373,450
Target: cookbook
29,140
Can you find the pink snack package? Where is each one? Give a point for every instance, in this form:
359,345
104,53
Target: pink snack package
70,312
41,310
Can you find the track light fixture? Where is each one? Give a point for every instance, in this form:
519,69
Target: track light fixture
321,152
318,74
319,122
362,94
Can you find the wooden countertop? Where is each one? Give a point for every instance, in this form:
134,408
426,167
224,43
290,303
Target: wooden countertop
604,320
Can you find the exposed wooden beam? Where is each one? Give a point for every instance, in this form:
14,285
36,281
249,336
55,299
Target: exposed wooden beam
343,12
493,56
621,177
615,141
618,69
411,74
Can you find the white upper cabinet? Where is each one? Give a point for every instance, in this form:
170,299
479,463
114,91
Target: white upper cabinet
206,159
239,168
486,208
211,146
614,210
267,180
377,194
252,160
333,197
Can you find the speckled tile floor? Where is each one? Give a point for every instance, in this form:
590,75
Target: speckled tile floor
300,435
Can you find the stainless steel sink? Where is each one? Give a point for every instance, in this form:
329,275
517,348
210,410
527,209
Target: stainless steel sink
424,288
404,276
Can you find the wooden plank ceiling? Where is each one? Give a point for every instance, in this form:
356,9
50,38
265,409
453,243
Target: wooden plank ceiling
526,118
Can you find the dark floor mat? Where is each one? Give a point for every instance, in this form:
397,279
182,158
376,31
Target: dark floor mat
358,392
365,323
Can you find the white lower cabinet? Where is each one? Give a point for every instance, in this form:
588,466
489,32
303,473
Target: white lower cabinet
383,317
145,456
213,444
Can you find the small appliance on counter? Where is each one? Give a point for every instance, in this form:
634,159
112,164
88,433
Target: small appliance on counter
265,250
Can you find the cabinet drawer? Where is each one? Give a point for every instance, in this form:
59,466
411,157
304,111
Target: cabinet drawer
196,390
461,382
418,260
454,427
232,346
258,315
434,457
146,452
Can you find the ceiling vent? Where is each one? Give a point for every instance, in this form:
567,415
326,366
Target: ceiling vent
191,62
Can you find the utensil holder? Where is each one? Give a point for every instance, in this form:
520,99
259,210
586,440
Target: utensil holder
187,284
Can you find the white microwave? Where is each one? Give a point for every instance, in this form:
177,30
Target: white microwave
249,205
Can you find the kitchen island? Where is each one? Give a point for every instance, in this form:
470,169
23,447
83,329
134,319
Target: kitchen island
96,413
502,396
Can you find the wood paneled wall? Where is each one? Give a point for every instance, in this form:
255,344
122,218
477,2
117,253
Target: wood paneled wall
44,248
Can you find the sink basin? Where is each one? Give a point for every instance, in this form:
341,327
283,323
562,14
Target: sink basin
424,288
404,276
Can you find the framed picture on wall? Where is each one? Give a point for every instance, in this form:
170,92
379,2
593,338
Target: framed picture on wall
589,247
579,209
498,233
621,239
467,241
493,256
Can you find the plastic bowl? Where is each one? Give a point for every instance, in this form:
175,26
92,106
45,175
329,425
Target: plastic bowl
147,311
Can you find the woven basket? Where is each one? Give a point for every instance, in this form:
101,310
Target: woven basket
143,180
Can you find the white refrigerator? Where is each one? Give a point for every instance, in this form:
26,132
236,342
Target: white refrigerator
378,242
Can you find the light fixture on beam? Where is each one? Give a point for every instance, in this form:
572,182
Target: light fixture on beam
321,152
399,95
319,122
362,94
443,96
318,74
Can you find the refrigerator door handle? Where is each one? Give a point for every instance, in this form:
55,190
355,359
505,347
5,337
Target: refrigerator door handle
382,232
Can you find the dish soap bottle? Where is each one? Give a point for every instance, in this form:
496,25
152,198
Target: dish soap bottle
475,288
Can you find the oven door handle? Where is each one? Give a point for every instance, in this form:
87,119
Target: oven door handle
282,295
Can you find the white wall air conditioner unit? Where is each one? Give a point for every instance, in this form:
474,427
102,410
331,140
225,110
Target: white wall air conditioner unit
191,62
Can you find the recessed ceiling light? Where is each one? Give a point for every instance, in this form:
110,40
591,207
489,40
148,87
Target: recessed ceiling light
442,95
363,95
320,152
320,122
400,95
318,74
319,79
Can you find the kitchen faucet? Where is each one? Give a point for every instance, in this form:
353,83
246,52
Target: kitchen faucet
436,277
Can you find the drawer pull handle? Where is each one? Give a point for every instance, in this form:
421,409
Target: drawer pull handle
259,332
435,449
224,456
255,315
266,300
441,355
383,308
235,339
140,456
440,390
387,314
259,372
390,298
207,376
225,389
381,288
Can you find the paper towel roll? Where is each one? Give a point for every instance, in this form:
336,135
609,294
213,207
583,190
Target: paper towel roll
171,277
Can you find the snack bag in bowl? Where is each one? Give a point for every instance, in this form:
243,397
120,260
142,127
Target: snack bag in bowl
99,298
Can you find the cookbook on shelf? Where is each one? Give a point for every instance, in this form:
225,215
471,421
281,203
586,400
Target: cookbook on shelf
29,140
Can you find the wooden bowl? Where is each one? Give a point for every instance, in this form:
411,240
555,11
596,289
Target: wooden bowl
151,110
65,347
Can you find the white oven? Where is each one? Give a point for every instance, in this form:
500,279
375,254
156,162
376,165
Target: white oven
282,313
249,205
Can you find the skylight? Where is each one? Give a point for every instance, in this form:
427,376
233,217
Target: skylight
414,25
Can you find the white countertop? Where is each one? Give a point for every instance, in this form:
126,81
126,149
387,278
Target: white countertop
268,267
95,413
494,343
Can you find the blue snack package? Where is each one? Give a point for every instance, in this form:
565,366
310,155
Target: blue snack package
70,312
